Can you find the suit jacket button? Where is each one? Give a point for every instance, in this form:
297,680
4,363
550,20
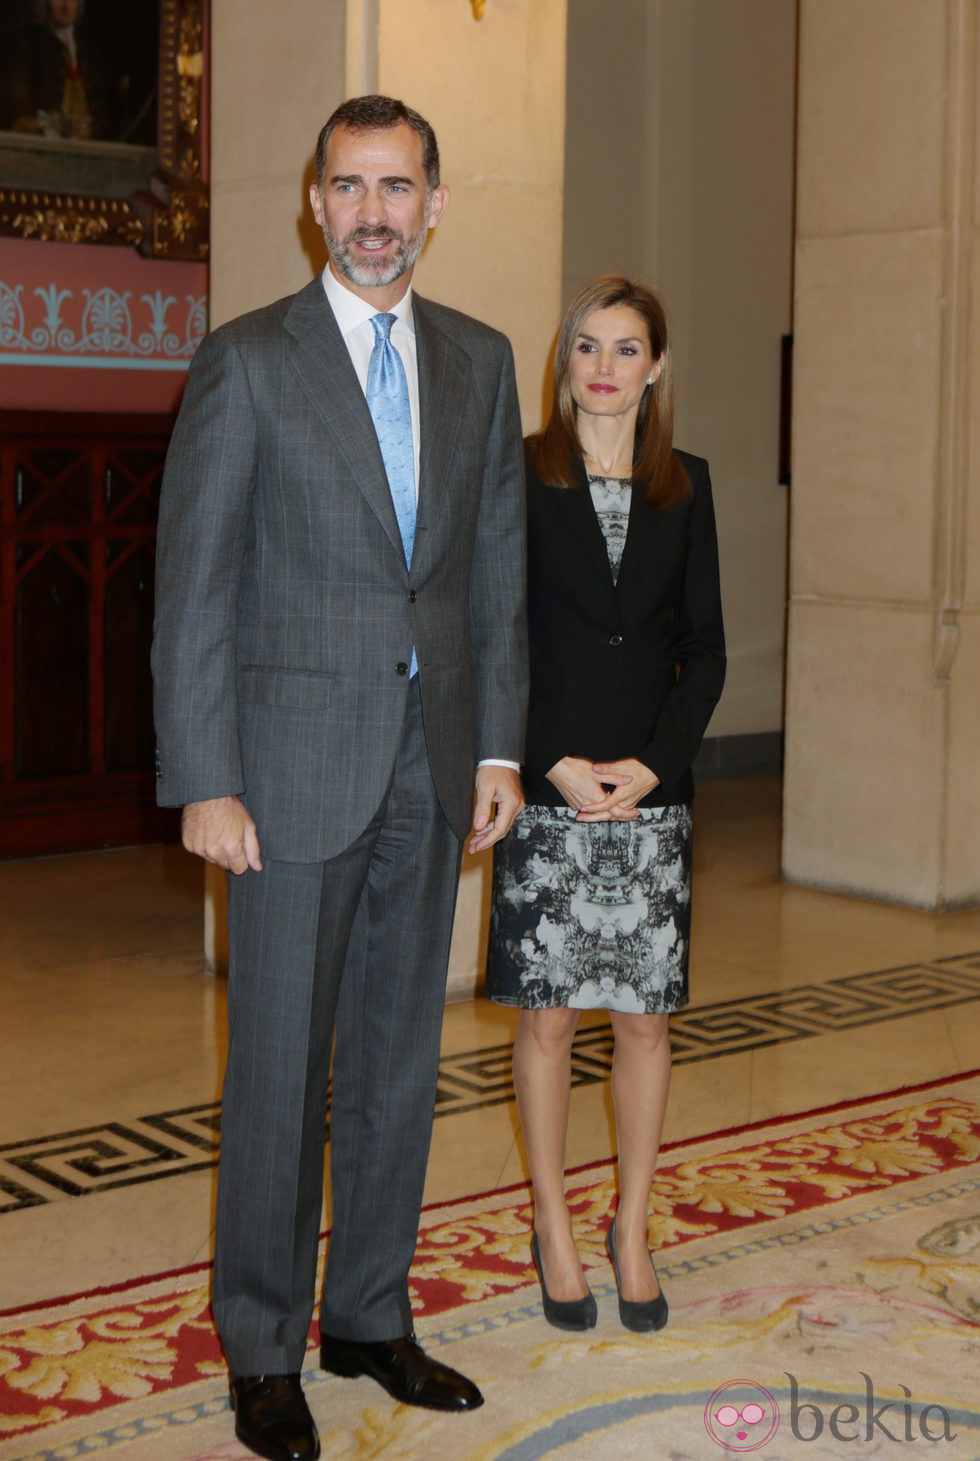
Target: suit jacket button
401,668
412,596
615,639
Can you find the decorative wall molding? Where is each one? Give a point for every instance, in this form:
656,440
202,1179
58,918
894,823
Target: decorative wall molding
99,328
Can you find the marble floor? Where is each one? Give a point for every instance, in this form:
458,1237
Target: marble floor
111,1040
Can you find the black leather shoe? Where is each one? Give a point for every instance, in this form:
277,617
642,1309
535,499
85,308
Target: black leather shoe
272,1417
563,1313
403,1368
640,1316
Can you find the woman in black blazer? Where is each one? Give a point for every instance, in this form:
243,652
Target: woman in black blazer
591,905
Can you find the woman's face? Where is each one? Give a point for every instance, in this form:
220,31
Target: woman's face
611,362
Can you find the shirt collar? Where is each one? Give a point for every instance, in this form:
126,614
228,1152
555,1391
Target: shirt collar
350,310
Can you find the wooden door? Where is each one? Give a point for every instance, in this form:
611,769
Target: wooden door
78,509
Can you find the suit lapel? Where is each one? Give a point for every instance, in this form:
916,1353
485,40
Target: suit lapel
444,371
322,365
580,515
636,531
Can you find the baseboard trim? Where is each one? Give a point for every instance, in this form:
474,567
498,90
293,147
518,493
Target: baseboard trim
759,754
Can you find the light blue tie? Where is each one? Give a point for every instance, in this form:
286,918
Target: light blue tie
387,398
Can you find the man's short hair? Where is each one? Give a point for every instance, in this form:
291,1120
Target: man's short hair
377,114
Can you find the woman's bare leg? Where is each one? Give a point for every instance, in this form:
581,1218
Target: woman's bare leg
542,1079
640,1081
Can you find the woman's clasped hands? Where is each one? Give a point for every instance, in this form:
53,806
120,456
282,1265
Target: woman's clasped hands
603,791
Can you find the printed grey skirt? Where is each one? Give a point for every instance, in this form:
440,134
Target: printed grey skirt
592,915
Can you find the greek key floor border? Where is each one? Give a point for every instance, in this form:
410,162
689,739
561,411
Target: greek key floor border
147,1148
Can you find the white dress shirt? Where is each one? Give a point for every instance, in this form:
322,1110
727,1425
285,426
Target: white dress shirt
353,315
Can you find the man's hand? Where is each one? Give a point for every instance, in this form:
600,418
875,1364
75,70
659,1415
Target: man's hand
496,787
221,831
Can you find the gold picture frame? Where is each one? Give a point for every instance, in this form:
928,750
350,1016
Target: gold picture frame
164,218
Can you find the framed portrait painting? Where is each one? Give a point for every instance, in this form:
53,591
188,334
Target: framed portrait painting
100,124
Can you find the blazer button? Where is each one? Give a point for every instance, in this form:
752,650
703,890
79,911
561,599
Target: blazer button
401,668
615,639
412,596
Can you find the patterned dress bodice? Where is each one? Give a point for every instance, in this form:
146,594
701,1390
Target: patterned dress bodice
611,500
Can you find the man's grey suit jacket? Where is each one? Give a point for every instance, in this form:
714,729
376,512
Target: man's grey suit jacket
285,612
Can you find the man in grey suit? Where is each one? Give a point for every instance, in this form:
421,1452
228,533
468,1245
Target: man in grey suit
339,640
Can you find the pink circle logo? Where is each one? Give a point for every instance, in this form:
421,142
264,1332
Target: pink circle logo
741,1416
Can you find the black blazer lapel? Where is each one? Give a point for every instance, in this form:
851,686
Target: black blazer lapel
322,365
634,559
579,513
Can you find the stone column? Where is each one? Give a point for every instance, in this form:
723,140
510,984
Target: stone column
494,90
883,701
277,72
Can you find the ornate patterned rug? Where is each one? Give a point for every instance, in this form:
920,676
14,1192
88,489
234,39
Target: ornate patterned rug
823,1278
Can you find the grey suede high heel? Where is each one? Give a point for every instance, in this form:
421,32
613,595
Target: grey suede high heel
568,1313
642,1317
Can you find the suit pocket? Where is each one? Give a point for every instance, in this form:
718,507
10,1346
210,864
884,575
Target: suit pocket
291,689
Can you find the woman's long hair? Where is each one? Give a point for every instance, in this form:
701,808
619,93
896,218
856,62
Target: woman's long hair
556,451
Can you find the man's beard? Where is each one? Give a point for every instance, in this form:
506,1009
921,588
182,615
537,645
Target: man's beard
365,272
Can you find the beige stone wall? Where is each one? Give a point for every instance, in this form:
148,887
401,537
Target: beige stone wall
882,770
679,169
